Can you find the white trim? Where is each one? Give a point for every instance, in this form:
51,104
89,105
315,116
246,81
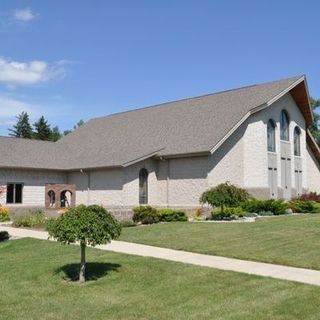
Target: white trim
254,110
313,140
230,132
129,163
282,93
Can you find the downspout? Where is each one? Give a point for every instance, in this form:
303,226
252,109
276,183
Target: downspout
89,187
88,184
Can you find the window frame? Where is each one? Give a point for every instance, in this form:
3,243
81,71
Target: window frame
271,124
297,134
14,192
284,131
143,184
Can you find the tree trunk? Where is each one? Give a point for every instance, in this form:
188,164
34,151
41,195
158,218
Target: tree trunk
82,274
222,209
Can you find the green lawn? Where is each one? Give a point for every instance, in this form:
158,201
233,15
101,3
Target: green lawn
33,287
288,240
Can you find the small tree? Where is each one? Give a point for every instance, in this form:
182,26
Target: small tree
224,195
88,225
3,190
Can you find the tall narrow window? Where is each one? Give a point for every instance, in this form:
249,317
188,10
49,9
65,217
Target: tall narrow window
284,126
296,141
65,199
14,192
52,198
271,132
143,186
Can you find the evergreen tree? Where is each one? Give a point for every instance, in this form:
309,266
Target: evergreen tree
22,129
315,130
79,124
55,134
42,130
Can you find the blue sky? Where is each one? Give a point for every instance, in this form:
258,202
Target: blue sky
72,60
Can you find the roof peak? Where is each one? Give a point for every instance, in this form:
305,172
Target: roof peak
197,97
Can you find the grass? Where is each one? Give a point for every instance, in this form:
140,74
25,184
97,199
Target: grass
287,240
35,277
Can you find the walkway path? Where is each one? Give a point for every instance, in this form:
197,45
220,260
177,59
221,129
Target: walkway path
256,268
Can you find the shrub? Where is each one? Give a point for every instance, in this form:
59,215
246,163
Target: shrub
170,215
127,223
311,196
198,213
266,213
304,206
145,215
224,195
35,219
227,213
4,214
4,235
250,214
218,215
276,206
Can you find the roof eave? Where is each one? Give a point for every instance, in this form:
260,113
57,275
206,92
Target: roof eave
300,93
313,145
305,109
184,155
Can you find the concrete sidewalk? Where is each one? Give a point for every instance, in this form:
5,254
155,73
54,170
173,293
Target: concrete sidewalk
301,275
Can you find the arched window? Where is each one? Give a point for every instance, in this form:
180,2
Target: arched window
52,198
284,125
271,133
65,199
143,186
296,141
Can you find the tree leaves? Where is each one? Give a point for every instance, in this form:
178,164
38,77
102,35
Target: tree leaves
23,128
92,225
41,129
315,130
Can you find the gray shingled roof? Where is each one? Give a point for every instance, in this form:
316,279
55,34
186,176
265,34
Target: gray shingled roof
180,127
27,153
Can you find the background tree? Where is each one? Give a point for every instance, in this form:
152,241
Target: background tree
79,124
22,129
224,195
42,129
88,225
55,134
315,104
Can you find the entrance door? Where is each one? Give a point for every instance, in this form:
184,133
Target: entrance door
286,176
298,176
273,185
272,175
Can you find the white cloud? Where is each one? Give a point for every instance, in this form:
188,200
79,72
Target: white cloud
23,15
11,107
15,73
